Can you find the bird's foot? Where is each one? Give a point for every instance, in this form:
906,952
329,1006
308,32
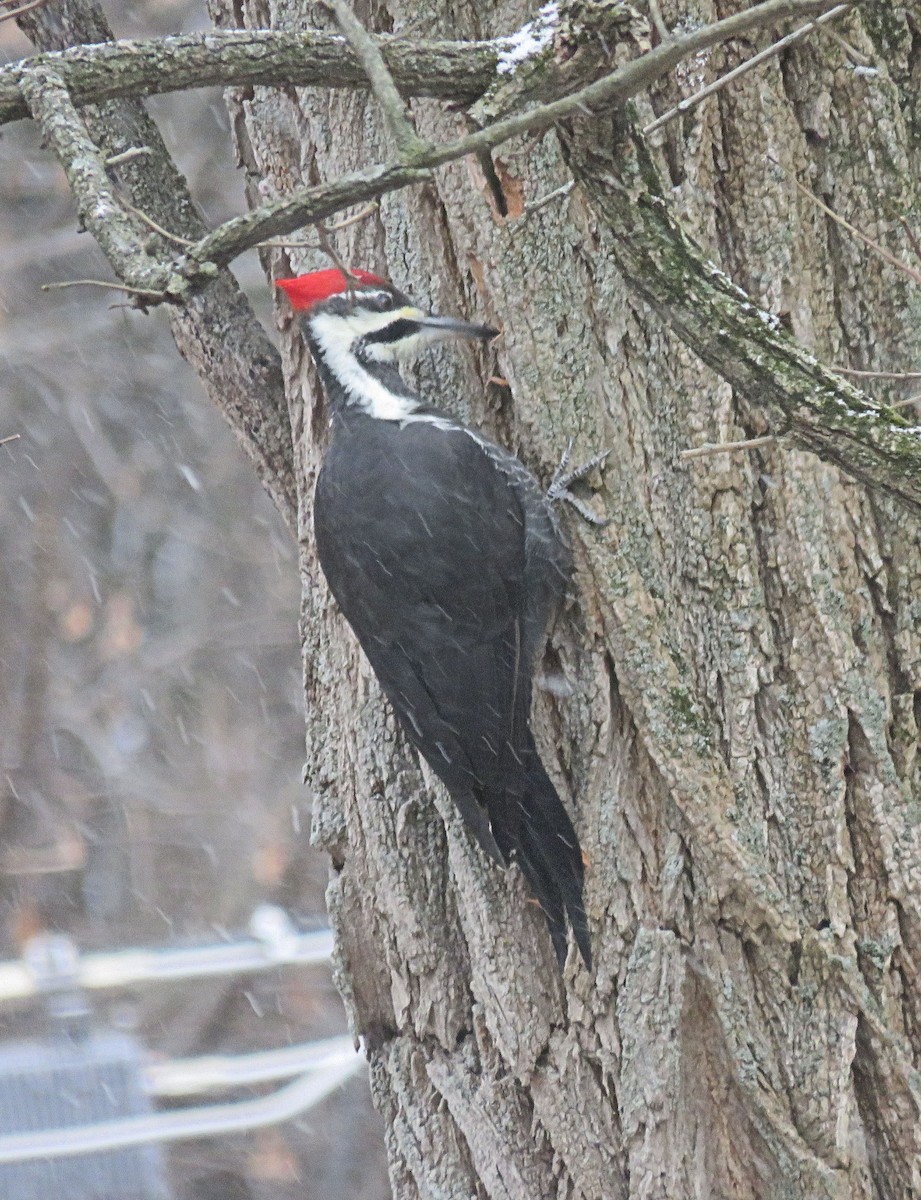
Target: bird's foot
563,479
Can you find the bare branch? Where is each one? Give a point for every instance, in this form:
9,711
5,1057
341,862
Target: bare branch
385,90
727,447
876,374
365,211
113,70
104,283
120,238
305,207
13,13
559,193
448,70
116,160
769,52
851,51
883,253
152,224
12,437
658,21
329,250
639,74
803,400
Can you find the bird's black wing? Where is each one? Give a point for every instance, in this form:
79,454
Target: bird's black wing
548,560
422,541
424,537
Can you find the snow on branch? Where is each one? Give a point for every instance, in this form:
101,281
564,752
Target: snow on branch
531,40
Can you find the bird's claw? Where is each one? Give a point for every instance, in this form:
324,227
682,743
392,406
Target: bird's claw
563,479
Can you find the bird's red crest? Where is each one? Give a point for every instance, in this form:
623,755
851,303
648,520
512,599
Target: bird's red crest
306,290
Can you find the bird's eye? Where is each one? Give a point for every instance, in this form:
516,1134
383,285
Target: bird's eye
377,301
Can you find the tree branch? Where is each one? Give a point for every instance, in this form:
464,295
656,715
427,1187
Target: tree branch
459,71
444,70
727,447
756,60
805,400
303,207
215,330
120,237
14,14
381,80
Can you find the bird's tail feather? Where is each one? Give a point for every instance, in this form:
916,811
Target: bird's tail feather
550,856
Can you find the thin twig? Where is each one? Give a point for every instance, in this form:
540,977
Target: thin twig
910,234
880,250
726,447
148,220
655,15
754,61
102,283
851,51
876,374
365,211
12,437
556,194
285,244
906,402
382,84
329,249
128,155
12,14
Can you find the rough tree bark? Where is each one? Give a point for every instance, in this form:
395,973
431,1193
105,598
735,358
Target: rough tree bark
742,645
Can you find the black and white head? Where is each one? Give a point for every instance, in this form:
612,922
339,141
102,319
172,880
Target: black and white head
371,320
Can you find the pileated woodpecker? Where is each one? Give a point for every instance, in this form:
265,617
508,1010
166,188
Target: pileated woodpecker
447,559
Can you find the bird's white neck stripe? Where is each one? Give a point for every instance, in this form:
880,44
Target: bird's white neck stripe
374,397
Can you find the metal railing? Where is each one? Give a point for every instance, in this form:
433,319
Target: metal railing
274,942
53,966
217,1072
205,1121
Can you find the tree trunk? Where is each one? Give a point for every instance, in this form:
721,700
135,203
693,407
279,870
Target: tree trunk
742,646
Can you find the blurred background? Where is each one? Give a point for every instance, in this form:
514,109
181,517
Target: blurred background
150,684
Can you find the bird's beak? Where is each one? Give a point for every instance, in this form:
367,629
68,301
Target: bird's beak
439,328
